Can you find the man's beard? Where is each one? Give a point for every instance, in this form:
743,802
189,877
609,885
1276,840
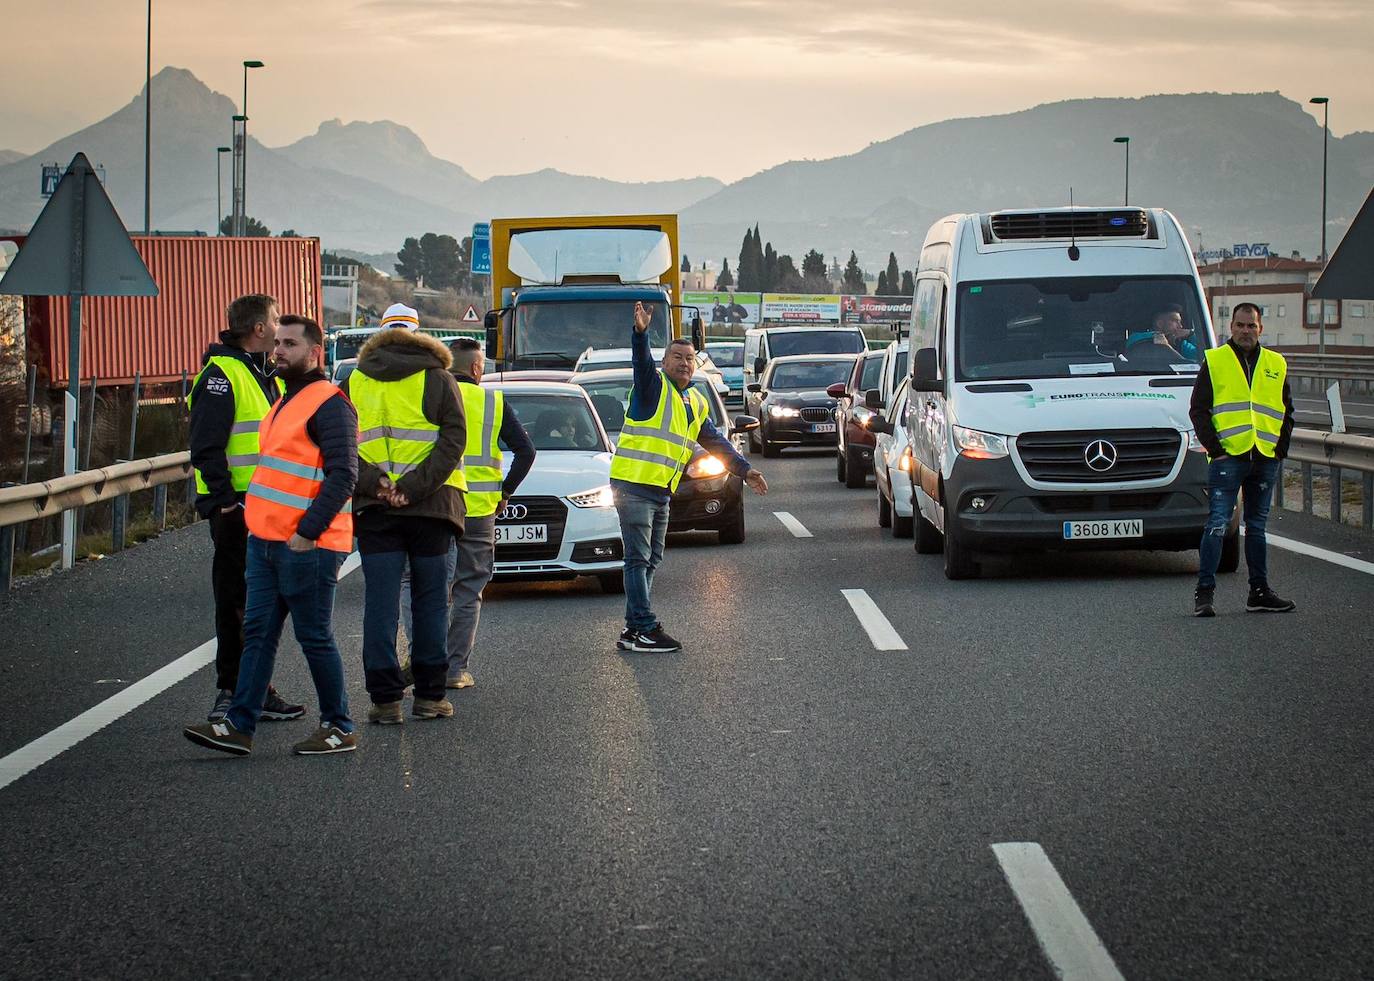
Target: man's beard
287,372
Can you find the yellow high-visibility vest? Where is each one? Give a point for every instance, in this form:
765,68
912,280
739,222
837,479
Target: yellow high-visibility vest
250,405
656,450
1247,413
484,409
393,433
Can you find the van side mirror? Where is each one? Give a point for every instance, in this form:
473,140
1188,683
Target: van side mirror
759,365
754,387
873,399
837,390
925,370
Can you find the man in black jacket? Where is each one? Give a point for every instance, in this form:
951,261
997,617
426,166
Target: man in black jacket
230,396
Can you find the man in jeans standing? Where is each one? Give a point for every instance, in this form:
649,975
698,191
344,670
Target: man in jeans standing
1242,411
300,520
229,398
665,417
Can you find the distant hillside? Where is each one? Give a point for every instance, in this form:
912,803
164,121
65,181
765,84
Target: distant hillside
10,156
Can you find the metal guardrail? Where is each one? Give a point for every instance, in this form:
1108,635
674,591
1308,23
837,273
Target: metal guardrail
1337,452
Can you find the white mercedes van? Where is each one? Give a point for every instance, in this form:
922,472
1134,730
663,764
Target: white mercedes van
1049,404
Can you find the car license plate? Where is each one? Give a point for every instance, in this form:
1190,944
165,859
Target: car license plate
1122,528
823,427
521,534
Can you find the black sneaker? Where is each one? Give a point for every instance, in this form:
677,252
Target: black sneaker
626,641
654,641
1202,602
223,699
1264,600
277,709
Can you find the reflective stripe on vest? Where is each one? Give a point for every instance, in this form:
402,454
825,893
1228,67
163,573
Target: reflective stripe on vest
484,410
655,451
393,433
250,405
1247,413
290,472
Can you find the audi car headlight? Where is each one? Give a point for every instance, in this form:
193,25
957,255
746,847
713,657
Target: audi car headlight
597,497
783,412
705,466
978,445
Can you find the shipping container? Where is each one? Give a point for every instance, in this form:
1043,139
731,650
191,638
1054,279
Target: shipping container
162,336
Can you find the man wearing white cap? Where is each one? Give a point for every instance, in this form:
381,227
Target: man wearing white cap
400,315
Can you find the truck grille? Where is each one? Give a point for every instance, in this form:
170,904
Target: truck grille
1121,223
814,414
1063,457
540,510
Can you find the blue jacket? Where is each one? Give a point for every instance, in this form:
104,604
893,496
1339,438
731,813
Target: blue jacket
1186,347
644,396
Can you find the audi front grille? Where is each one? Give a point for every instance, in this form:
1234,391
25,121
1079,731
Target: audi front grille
538,511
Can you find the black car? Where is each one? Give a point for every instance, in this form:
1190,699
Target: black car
791,402
708,497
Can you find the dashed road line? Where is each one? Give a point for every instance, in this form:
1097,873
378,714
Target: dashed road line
31,756
792,524
880,629
1063,932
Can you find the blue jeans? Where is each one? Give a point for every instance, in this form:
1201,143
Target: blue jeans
301,584
643,529
381,611
1227,477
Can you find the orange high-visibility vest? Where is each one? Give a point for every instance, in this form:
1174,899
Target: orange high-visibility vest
290,471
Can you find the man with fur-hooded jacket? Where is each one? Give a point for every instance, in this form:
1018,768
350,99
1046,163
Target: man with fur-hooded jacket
408,506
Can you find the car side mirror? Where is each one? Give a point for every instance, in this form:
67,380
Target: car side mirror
837,390
754,387
925,370
873,399
759,365
878,424
743,424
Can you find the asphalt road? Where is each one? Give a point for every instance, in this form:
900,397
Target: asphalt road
781,800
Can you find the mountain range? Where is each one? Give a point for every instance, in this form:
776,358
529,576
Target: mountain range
1234,168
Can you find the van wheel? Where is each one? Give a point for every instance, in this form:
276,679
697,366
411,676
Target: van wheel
959,561
733,533
1230,553
884,511
839,467
612,582
854,476
929,541
901,527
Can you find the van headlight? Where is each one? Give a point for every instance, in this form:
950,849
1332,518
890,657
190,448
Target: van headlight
1194,444
978,445
597,497
705,466
783,412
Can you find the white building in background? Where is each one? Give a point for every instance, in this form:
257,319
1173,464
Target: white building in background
1282,289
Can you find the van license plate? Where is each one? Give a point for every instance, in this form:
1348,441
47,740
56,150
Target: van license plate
823,427
1122,528
521,534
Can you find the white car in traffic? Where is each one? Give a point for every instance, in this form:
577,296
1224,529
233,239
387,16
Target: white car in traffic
892,465
562,522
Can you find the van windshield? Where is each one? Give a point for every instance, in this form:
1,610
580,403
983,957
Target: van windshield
815,342
1062,328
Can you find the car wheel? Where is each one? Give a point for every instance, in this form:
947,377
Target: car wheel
928,538
1230,552
854,475
884,511
770,449
754,440
612,582
959,561
733,533
839,466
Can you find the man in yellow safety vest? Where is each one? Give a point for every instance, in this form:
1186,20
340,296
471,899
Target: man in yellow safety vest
232,393
1242,412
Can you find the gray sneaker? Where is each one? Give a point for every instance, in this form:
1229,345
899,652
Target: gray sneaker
326,739
277,709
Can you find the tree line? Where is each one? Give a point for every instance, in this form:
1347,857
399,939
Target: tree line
762,269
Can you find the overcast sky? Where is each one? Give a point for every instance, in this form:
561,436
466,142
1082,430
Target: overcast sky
648,90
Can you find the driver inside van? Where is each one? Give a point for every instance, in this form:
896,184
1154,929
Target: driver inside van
1168,331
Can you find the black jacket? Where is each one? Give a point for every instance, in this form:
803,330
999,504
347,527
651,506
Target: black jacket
516,440
1200,409
334,429
212,418
390,356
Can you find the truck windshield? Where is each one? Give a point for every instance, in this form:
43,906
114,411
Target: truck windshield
570,327
816,342
1062,328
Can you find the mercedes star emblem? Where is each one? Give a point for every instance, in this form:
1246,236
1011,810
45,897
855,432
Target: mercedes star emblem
1100,455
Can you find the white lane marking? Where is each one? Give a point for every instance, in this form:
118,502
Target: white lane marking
31,756
1302,548
1064,933
792,524
880,630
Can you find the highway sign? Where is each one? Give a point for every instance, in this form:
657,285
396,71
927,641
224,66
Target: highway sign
470,315
481,248
51,175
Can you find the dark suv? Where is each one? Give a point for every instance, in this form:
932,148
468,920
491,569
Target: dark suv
854,452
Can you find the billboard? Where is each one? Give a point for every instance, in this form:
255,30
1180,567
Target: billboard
801,308
725,306
875,309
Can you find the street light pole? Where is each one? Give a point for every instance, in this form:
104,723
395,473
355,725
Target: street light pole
243,166
219,188
1325,103
148,128
237,221
1127,140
